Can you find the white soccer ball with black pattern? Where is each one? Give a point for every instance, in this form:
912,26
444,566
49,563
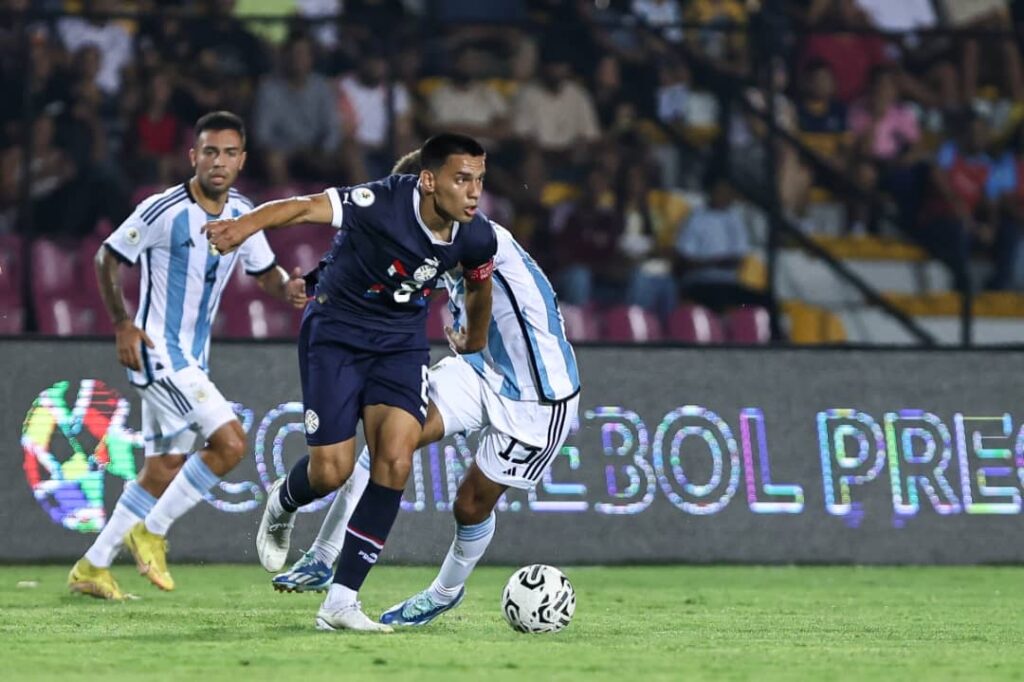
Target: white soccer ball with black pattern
537,599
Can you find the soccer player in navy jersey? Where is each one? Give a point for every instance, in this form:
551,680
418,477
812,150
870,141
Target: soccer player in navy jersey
521,395
363,351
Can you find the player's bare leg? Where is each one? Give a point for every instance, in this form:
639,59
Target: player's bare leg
391,434
324,469
313,571
147,540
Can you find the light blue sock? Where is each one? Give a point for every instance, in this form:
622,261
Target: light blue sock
131,507
186,491
468,547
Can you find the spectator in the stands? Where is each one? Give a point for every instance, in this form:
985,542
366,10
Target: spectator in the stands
106,35
663,15
238,53
851,56
555,112
50,176
960,213
646,242
585,250
378,114
158,134
468,104
886,143
296,122
710,250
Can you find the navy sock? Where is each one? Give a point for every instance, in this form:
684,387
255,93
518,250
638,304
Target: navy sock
297,490
367,531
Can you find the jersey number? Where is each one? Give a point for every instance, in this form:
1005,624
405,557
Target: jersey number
406,289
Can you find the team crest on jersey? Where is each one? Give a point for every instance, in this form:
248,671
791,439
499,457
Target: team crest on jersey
312,421
363,196
132,235
424,273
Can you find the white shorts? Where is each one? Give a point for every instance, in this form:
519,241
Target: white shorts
519,439
177,407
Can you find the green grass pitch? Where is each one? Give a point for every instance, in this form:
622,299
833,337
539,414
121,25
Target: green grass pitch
631,625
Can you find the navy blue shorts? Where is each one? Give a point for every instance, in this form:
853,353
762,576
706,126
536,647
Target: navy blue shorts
345,368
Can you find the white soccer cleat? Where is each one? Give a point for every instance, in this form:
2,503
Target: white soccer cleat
274,534
348,617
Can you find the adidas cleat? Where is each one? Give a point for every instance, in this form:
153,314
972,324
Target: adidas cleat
419,609
308,574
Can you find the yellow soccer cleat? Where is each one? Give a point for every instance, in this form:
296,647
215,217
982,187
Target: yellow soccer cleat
150,552
85,578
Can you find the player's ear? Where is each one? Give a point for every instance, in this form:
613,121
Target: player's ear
241,160
427,181
192,156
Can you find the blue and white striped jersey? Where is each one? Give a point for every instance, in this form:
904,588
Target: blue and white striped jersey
528,356
181,282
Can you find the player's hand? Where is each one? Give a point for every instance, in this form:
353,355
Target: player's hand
227,235
129,340
457,340
295,290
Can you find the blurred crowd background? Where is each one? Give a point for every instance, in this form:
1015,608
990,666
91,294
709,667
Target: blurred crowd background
805,171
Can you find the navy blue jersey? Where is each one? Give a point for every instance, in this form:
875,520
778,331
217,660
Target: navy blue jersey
384,261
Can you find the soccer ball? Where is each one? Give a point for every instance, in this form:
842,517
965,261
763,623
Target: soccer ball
537,599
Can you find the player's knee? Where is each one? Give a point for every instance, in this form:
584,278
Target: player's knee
470,510
231,450
327,474
392,467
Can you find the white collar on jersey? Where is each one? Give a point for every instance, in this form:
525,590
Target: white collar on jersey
423,226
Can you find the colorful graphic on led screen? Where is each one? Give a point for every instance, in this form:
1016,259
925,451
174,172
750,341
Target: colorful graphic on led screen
698,461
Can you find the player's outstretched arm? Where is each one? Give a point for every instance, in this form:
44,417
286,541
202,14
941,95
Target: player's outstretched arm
292,290
473,337
227,235
129,338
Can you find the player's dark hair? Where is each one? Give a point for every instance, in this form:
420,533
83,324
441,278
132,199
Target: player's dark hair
408,164
221,120
438,148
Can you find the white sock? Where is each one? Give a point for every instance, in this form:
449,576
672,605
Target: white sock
329,540
186,491
469,545
131,507
339,596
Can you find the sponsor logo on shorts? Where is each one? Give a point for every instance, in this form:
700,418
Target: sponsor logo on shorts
312,421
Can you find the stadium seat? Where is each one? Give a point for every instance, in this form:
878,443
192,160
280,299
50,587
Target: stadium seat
55,269
67,316
631,324
694,324
302,246
270,319
438,316
581,322
10,263
749,324
12,313
233,320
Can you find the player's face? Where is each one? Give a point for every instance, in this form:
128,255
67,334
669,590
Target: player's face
218,157
457,186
